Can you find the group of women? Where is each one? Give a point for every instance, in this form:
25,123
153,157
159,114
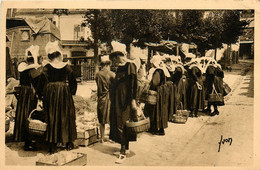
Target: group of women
179,87
48,84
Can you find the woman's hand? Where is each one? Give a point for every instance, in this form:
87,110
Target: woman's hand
134,111
39,105
199,86
133,105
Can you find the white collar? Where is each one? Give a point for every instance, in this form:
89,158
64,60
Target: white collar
58,65
24,66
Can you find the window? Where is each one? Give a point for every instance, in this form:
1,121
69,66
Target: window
25,35
79,32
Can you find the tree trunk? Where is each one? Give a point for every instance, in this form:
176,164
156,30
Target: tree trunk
237,58
148,59
96,61
230,55
128,50
95,36
215,56
177,50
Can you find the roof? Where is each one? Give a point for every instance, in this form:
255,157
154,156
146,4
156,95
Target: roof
40,25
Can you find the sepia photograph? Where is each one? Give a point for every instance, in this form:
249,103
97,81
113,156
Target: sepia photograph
129,87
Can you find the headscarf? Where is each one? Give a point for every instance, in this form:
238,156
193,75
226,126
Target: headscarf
52,47
34,51
158,63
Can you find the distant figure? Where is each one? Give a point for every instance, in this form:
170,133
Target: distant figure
104,80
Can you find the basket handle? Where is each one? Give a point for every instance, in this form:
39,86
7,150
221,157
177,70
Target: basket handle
31,113
214,90
181,106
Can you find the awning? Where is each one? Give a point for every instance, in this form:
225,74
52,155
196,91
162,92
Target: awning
246,42
43,25
168,47
40,25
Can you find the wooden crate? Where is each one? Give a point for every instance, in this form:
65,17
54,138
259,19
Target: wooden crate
86,138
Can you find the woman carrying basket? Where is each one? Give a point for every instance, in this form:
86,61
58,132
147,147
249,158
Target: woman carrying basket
27,99
57,99
123,104
158,113
214,85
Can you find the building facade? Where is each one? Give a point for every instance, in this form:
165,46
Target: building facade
246,41
75,39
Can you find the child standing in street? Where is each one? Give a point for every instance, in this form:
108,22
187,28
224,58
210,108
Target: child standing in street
104,80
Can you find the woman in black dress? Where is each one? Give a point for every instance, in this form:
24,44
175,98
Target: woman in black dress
214,79
179,79
58,103
123,103
158,118
27,99
195,93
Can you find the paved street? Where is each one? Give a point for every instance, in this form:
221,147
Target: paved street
195,143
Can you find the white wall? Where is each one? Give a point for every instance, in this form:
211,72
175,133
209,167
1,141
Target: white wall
67,23
136,51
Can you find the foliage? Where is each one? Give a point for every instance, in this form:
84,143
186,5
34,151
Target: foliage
207,29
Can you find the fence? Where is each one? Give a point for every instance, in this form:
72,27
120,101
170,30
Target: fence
88,70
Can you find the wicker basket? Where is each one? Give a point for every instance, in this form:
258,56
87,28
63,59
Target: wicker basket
149,97
215,97
138,127
181,116
7,125
38,128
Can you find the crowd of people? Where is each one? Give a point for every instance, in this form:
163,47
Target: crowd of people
178,86
49,85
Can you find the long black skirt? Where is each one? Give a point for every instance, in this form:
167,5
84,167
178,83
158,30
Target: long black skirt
59,106
196,97
27,101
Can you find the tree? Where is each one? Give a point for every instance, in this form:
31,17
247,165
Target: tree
207,29
233,26
128,25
